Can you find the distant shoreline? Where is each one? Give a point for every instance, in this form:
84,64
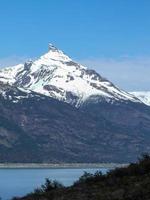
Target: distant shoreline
59,166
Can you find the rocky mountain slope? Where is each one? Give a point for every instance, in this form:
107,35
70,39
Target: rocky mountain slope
55,110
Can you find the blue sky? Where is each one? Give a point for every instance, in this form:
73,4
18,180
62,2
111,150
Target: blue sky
111,36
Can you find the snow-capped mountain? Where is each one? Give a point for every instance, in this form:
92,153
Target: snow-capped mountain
144,96
37,125
56,75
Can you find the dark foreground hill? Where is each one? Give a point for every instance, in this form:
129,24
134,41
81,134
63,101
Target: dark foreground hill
128,183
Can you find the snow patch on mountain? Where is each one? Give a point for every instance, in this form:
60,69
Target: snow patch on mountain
8,74
144,96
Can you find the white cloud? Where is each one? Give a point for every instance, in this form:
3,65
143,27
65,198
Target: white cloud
12,60
129,73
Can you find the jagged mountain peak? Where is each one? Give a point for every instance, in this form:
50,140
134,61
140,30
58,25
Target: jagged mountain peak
56,75
55,54
52,47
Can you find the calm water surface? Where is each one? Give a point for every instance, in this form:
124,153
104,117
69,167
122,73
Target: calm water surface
18,182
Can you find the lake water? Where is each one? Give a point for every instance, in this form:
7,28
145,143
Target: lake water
18,182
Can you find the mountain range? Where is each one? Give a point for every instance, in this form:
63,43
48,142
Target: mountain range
54,110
